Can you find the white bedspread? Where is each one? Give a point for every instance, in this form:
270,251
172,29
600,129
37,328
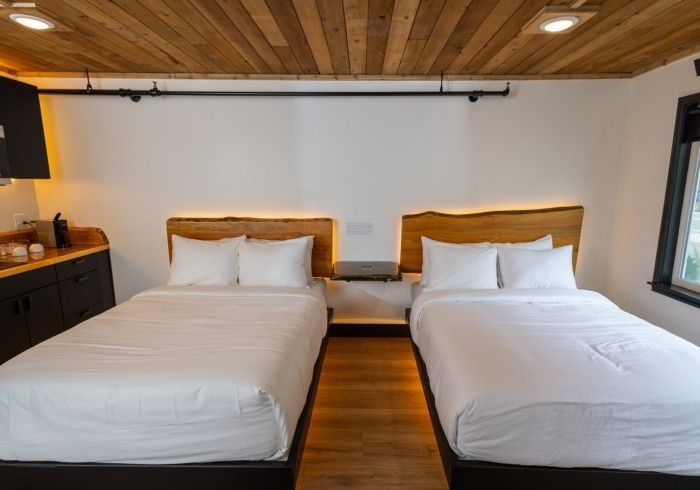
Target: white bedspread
559,378
174,375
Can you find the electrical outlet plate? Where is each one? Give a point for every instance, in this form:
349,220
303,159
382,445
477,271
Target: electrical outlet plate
359,228
19,220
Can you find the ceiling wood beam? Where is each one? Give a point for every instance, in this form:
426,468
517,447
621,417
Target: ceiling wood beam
589,32
287,39
239,16
664,49
262,76
356,13
627,24
510,29
216,16
95,24
496,18
423,24
689,50
52,48
262,16
310,20
467,27
177,57
379,17
401,24
288,23
644,35
332,14
450,16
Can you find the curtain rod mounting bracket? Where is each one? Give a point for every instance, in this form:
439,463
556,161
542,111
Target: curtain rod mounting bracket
88,87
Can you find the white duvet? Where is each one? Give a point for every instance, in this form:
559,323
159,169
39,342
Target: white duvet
559,378
174,375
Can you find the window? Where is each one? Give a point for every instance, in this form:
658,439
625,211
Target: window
677,271
687,262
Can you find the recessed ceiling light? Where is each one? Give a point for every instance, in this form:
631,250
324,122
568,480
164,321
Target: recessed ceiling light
559,24
32,22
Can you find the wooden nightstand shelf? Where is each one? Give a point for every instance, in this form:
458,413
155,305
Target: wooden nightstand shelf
366,271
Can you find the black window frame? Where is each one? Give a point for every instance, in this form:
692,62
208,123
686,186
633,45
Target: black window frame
688,110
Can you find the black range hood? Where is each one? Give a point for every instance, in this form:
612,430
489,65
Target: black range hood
24,153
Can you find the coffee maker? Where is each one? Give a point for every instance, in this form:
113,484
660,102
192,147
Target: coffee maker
53,233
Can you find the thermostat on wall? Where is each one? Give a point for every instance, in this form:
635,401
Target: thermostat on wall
359,228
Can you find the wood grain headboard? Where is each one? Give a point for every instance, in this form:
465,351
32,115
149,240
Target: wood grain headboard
267,228
563,223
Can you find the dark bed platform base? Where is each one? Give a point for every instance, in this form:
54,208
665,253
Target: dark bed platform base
480,474
227,475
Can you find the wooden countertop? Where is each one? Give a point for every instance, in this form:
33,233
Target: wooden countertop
86,241
50,256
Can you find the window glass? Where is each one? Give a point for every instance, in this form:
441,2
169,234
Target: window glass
688,252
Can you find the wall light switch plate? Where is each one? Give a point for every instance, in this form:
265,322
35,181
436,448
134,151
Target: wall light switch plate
19,220
359,228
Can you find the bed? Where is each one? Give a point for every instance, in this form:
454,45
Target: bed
548,388
178,387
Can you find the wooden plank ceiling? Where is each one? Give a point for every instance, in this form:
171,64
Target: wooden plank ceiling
346,38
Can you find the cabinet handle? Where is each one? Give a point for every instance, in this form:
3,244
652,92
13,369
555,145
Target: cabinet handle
18,307
81,279
27,303
86,312
79,261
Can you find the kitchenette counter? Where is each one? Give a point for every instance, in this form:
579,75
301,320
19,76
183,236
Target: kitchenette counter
49,293
10,266
86,241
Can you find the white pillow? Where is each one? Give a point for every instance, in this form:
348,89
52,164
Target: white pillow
526,269
462,268
544,243
281,263
429,243
204,262
309,240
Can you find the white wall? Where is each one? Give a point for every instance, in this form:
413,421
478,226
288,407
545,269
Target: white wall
128,167
18,197
646,153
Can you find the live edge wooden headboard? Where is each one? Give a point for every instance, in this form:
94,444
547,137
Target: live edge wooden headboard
267,228
563,223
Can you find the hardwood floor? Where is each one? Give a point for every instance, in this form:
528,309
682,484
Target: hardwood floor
370,426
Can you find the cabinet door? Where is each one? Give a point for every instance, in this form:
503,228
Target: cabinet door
42,308
20,115
13,329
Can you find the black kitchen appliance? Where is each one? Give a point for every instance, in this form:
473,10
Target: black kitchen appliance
53,233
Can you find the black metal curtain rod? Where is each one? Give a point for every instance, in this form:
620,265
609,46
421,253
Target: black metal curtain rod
136,95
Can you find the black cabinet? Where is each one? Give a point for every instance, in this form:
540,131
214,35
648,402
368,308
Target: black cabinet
20,118
14,337
41,303
4,161
42,309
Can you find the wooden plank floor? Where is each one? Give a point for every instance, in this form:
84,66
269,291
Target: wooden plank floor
370,426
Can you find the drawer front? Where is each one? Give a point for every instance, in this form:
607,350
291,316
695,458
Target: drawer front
83,315
80,292
26,281
76,267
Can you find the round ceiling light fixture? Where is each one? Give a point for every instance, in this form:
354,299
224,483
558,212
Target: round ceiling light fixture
559,24
32,22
